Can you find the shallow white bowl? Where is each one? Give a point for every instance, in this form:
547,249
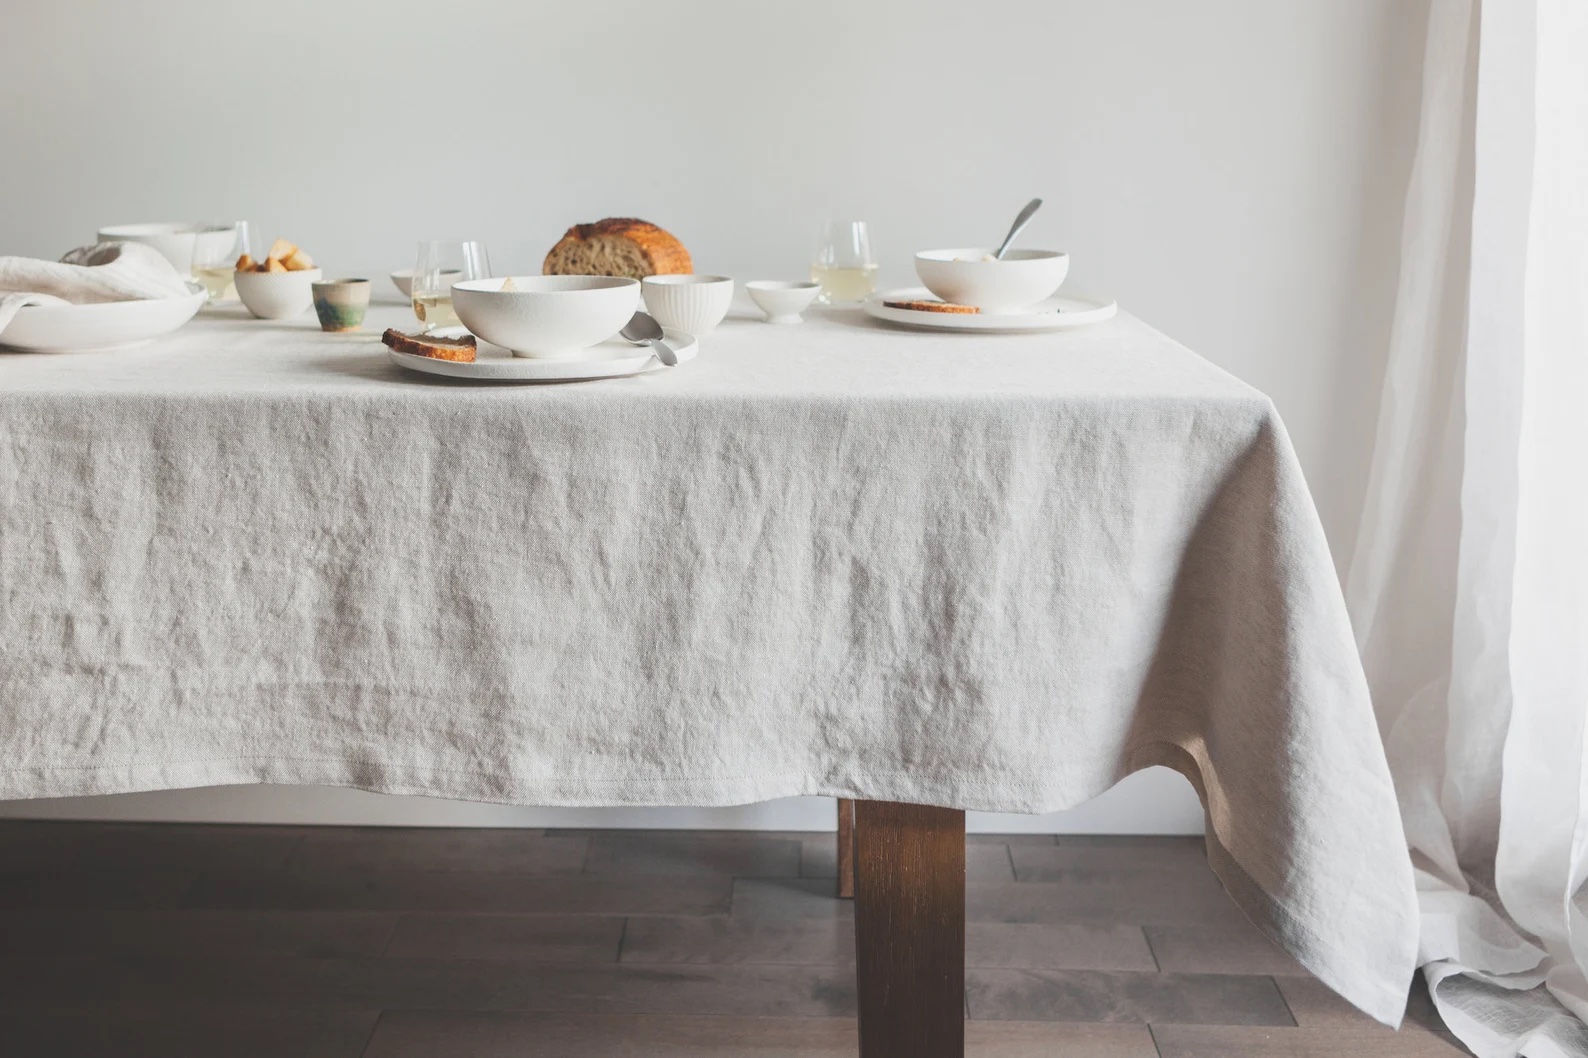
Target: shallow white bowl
689,303
108,325
173,239
546,315
782,301
277,295
1021,279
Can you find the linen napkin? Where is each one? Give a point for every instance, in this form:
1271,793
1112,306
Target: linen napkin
108,271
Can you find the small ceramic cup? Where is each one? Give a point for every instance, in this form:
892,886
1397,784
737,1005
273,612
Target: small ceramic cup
782,301
340,303
690,303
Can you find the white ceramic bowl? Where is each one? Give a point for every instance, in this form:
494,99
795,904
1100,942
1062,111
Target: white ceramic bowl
689,303
173,239
782,301
107,325
1021,279
277,295
546,315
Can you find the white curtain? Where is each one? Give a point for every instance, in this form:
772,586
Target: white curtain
1469,587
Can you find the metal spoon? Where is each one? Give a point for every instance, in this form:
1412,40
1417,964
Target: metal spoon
1020,222
644,330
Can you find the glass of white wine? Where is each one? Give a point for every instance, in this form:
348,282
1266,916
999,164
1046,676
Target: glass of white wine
443,262
843,264
216,248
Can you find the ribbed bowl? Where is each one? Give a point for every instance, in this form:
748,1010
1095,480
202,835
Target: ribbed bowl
688,302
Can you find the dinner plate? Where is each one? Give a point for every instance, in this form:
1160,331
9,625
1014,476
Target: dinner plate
612,358
1058,313
105,325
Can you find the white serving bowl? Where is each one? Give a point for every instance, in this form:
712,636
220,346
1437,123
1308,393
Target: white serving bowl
106,325
782,301
277,295
173,239
1020,280
690,303
546,315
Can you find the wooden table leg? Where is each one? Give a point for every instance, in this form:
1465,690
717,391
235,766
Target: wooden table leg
846,849
910,930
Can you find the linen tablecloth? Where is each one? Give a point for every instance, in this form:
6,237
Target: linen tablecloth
986,572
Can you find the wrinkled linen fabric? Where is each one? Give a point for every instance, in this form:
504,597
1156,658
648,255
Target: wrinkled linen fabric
1469,584
988,572
109,271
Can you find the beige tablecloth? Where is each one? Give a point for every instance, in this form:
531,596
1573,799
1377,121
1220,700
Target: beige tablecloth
987,572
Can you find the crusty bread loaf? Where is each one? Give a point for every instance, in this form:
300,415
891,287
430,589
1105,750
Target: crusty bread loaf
461,349
932,306
617,246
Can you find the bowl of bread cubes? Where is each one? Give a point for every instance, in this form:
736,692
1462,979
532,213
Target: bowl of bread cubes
589,288
279,287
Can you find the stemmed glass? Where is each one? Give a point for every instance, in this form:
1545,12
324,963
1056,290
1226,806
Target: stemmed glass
443,262
843,264
216,248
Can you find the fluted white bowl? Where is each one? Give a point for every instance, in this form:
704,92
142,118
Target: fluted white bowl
689,303
546,315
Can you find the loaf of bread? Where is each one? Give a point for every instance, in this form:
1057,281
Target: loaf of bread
617,246
460,350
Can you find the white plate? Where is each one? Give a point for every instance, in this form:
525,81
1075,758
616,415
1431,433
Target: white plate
610,359
107,325
1060,312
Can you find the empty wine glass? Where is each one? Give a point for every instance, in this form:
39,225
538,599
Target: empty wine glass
443,262
216,248
843,264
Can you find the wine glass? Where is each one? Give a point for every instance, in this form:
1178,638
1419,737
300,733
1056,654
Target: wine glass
843,264
216,248
443,262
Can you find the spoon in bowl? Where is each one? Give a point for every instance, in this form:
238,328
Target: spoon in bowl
1020,222
644,330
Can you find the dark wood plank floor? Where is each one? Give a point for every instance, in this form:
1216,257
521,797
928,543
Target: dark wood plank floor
169,940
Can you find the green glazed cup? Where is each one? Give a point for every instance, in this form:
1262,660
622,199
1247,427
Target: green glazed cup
341,303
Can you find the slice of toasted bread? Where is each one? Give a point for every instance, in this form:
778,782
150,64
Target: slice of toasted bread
298,261
281,249
273,264
246,264
932,306
460,350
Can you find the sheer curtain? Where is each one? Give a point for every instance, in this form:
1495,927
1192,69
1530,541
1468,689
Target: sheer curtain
1469,587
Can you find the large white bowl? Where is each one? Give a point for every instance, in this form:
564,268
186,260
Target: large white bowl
546,315
173,239
691,303
277,295
1021,279
107,325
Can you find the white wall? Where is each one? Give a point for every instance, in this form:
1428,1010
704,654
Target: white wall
1231,170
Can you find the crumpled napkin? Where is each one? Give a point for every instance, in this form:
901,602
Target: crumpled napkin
107,271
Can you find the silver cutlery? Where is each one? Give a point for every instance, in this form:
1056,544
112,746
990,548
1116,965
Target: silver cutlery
644,330
1020,222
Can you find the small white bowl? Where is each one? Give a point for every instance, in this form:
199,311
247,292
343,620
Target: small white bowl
173,239
404,280
690,303
277,295
1020,280
782,301
548,316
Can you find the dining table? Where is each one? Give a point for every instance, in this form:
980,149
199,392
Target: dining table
924,572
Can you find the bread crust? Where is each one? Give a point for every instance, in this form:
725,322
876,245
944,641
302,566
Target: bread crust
932,306
459,350
661,252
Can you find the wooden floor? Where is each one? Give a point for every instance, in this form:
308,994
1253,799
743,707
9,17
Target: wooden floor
133,940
